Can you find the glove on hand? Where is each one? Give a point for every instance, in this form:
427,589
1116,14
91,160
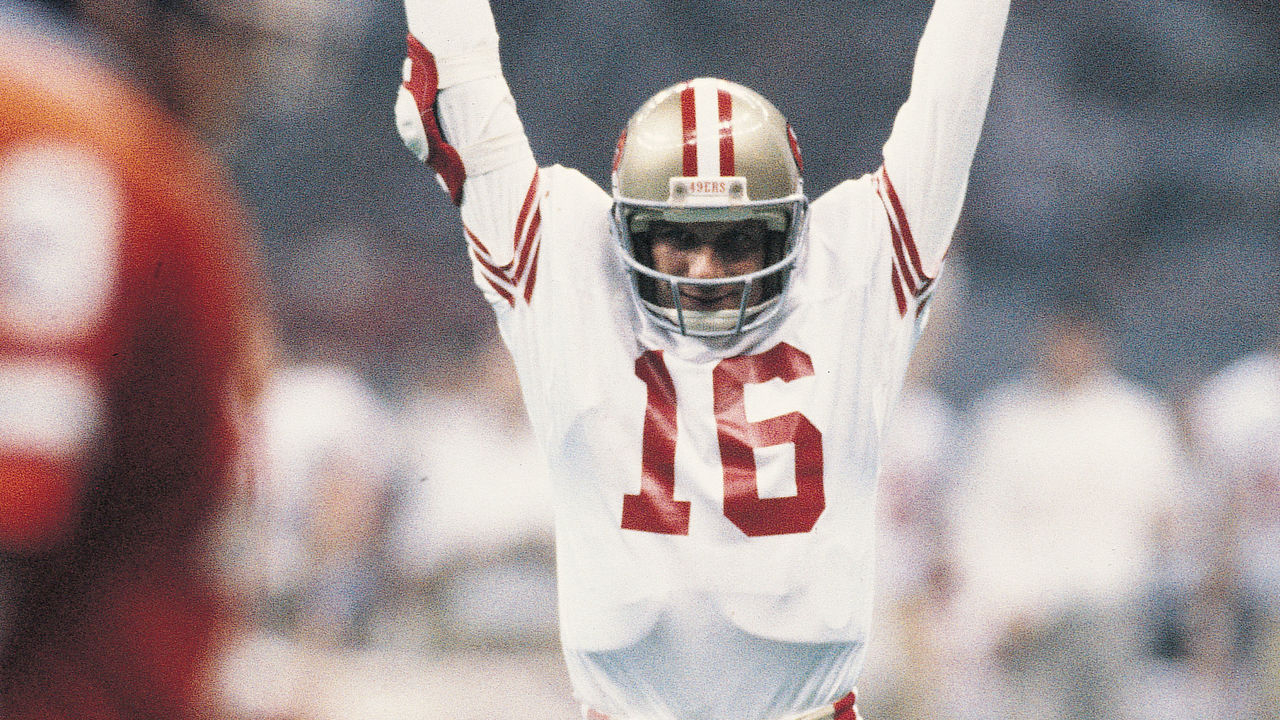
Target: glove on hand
416,120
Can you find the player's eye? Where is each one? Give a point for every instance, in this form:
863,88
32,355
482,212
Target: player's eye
740,242
675,236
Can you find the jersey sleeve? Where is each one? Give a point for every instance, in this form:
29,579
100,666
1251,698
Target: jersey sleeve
483,157
921,185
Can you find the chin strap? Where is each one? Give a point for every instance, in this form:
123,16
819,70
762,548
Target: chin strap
712,321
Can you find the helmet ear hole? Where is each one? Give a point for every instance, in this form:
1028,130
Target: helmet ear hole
642,248
775,251
775,246
642,251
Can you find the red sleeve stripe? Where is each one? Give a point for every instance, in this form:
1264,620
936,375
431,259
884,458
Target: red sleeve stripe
483,255
477,252
897,236
504,293
498,284
526,245
505,280
897,248
471,237
533,275
897,290
517,239
521,233
529,242
907,238
491,270
912,275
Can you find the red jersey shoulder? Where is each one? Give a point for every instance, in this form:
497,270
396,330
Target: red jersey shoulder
123,252
102,197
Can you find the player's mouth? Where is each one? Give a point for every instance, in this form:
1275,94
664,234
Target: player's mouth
714,300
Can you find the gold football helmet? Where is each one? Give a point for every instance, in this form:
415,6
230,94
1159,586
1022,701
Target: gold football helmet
709,150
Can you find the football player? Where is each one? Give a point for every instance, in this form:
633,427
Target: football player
129,331
707,357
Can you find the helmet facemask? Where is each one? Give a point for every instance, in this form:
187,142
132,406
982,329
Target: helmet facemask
661,181
758,293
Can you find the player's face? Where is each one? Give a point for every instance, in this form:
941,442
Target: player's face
708,251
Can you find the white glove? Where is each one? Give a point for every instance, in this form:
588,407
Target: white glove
409,119
416,120
451,43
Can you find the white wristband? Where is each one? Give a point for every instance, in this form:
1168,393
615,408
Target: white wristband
476,64
494,153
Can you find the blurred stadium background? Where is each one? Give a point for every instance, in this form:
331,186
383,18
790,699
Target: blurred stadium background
1072,509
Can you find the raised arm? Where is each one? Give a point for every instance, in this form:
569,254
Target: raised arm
928,154
455,112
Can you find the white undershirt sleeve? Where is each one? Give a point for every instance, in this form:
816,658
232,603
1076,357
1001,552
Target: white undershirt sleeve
935,134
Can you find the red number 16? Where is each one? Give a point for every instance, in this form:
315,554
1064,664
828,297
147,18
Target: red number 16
655,508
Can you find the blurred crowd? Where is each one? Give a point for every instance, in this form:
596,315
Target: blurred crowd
1073,544
1080,509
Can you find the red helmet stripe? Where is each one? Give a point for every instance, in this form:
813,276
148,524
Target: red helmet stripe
795,148
617,153
725,101
689,123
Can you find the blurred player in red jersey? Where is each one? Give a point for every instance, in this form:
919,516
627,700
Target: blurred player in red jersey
129,343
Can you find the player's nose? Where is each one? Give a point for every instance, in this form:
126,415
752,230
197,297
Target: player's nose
704,262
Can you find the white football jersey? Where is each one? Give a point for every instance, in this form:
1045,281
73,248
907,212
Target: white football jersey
714,501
